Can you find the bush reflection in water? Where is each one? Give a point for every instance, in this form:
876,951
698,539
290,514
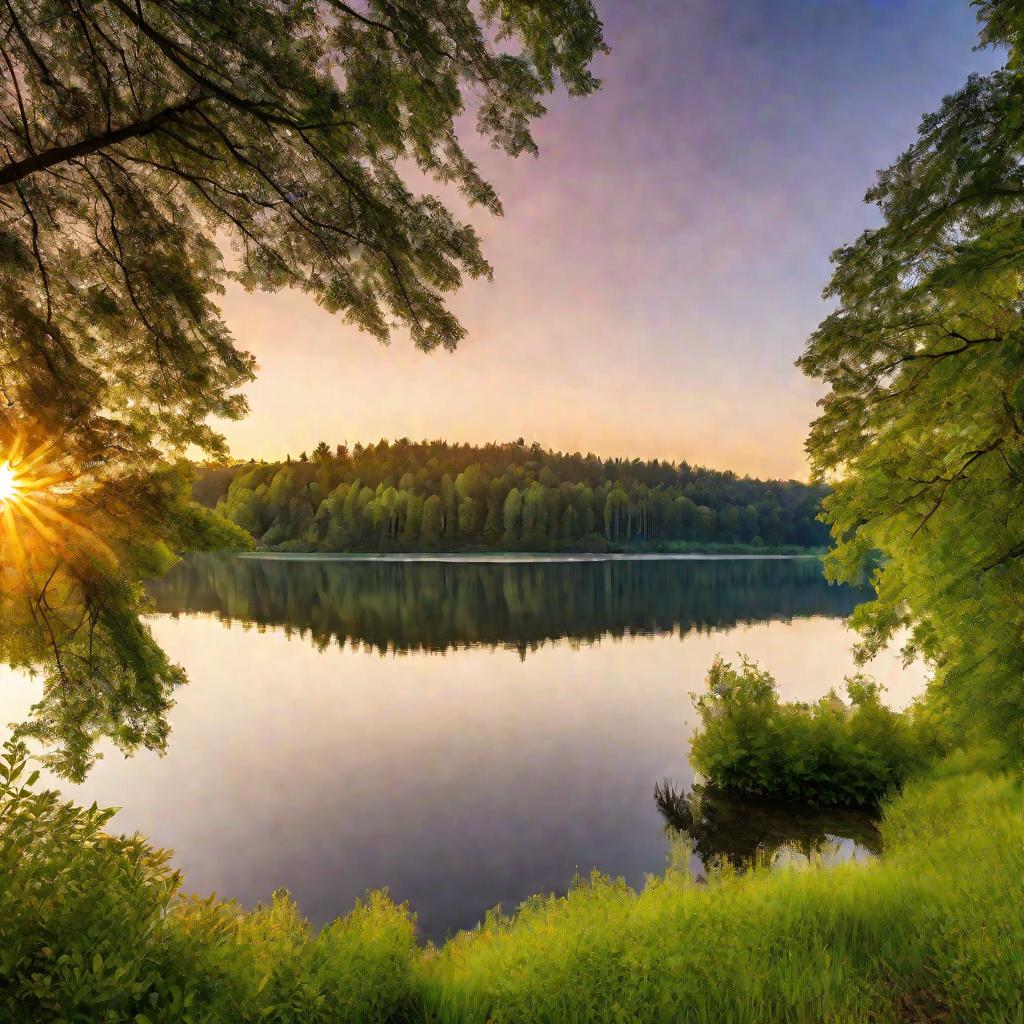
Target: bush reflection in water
729,831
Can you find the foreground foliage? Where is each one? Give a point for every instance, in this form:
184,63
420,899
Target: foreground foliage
94,928
409,496
70,606
134,133
825,753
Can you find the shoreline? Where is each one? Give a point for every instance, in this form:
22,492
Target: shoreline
510,558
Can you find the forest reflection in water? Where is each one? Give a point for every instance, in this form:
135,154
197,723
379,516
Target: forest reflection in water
434,606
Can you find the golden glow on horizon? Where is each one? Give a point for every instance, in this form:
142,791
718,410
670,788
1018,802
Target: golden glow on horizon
499,387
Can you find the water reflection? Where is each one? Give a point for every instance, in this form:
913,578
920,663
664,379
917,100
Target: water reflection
411,606
726,829
457,781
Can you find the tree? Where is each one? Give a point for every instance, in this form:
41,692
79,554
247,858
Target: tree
511,515
135,134
430,528
615,514
321,453
449,512
533,516
413,520
706,520
67,605
467,517
493,523
923,425
570,528
135,131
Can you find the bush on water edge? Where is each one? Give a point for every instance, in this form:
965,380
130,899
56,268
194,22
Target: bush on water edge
826,753
93,928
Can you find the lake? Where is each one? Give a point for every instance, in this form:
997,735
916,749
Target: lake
464,732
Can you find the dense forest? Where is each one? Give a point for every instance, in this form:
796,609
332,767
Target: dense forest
432,495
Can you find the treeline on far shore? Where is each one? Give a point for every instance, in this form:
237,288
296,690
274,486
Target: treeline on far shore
434,495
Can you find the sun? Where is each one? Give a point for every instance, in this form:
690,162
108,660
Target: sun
9,483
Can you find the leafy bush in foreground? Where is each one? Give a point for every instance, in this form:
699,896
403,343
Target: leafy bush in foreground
93,928
828,753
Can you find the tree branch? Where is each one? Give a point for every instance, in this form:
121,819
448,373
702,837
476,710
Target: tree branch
19,169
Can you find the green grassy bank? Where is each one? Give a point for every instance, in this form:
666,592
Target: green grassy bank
93,928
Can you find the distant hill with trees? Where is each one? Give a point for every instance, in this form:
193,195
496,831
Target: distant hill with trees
437,496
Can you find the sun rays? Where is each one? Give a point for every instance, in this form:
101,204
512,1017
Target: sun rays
9,483
37,511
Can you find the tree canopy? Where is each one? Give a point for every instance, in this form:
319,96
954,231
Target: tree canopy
923,425
154,151
429,495
135,133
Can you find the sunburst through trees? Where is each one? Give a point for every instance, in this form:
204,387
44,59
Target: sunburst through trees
75,544
138,136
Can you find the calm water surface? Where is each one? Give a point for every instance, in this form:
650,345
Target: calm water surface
463,733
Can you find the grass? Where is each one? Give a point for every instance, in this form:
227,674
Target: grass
933,931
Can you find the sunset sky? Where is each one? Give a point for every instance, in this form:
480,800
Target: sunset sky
660,265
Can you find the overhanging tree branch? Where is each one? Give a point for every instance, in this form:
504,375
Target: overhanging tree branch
19,169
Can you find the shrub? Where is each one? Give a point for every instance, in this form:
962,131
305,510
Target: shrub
94,927
828,753
84,931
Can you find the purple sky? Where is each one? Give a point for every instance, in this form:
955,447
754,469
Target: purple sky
660,265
